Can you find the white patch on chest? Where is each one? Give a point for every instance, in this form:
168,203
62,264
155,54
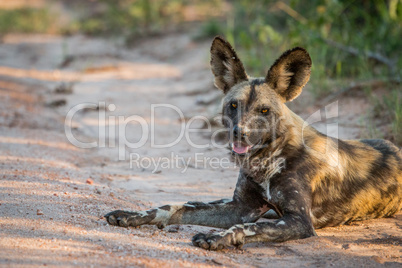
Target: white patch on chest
268,192
265,185
275,167
270,166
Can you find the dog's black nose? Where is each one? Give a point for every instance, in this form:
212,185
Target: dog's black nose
239,132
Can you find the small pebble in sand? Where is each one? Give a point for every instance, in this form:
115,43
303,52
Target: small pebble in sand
56,103
173,229
39,212
345,246
89,181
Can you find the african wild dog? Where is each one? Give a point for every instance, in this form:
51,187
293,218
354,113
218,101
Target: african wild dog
308,179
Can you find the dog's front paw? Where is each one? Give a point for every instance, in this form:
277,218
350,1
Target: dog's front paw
218,241
128,218
211,242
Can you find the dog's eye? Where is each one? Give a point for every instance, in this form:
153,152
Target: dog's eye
234,105
264,111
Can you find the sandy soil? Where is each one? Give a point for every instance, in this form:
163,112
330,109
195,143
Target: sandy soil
53,194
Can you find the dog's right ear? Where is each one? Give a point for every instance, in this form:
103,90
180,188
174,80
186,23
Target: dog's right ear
290,73
226,65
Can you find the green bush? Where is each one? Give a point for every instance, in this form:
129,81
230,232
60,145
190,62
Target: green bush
341,36
26,20
132,17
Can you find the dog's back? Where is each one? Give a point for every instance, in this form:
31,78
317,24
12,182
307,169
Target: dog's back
366,183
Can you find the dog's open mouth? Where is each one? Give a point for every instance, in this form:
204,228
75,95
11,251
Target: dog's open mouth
241,148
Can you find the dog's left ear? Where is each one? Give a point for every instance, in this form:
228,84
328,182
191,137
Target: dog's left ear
226,65
290,73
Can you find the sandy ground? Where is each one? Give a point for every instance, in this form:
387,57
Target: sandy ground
53,195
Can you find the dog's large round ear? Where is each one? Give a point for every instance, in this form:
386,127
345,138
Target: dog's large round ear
226,65
290,73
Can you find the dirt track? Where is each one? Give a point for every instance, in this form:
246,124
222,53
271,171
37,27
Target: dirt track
53,194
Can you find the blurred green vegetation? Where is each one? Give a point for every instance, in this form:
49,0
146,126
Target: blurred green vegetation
26,20
129,18
122,18
133,18
346,38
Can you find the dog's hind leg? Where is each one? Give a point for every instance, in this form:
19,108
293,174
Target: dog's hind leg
221,213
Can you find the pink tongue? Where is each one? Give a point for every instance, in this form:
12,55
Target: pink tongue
239,148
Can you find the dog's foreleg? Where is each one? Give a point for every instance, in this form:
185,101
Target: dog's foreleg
289,227
291,198
222,213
